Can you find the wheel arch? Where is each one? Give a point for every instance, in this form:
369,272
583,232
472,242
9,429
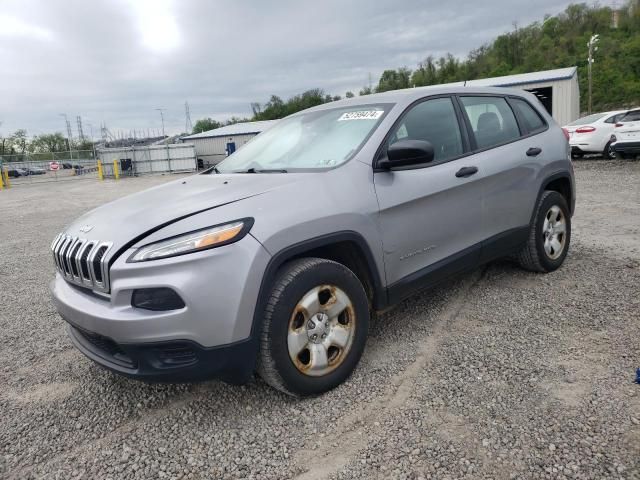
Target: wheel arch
561,183
346,247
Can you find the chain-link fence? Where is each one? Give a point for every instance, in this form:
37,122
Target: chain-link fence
28,168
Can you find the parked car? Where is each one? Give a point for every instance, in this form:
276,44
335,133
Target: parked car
35,171
274,259
626,136
17,172
592,134
67,166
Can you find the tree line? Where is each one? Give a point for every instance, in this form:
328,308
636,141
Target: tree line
19,144
557,42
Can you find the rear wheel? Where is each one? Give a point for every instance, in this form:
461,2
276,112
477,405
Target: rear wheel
315,327
549,235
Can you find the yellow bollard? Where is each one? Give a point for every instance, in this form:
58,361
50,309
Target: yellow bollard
1,180
6,178
100,176
116,171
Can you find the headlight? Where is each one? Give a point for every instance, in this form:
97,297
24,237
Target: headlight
204,239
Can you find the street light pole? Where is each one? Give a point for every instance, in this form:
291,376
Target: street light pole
592,44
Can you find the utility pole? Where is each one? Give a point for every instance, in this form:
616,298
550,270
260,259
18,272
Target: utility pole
188,126
593,47
80,132
161,110
69,136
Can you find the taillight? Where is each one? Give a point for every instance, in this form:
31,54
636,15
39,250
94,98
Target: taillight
566,133
586,129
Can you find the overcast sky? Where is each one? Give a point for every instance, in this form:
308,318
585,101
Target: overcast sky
118,60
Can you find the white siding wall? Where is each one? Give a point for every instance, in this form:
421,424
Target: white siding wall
212,150
566,99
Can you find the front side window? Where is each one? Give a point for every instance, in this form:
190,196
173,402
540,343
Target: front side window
434,121
491,119
532,120
308,141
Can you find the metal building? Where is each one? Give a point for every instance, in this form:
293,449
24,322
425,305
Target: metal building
214,145
557,90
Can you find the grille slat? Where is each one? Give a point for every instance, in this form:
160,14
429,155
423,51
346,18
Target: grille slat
83,262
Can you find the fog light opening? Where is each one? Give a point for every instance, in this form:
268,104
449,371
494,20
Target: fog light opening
157,299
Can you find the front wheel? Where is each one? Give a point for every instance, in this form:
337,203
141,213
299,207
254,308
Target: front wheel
315,327
549,235
608,153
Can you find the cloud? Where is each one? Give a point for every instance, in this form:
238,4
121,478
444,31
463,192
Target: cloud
15,27
117,61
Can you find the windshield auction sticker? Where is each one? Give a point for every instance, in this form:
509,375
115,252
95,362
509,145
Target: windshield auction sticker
361,115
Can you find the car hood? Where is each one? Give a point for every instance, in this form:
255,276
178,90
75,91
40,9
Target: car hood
132,217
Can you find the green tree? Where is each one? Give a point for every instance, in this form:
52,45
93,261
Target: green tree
558,42
277,108
48,142
394,80
206,124
349,94
20,141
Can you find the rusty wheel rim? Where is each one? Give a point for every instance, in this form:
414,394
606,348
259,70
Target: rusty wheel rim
321,330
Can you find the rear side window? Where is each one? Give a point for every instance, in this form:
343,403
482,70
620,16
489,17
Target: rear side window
434,121
633,116
532,120
492,120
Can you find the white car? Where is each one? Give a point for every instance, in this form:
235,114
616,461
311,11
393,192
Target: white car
625,140
592,134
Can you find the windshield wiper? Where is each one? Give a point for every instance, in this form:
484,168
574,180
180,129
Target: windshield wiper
265,170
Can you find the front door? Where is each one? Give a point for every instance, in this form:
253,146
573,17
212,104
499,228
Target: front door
430,218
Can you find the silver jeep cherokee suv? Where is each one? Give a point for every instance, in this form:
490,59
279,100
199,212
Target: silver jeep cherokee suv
274,260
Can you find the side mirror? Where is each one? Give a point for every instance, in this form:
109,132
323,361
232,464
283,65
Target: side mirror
406,153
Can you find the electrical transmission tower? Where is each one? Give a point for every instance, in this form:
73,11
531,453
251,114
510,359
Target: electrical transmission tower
80,132
188,126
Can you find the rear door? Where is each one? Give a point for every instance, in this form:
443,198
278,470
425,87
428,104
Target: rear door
509,162
629,129
429,216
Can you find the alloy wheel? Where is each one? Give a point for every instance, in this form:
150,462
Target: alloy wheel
554,230
321,330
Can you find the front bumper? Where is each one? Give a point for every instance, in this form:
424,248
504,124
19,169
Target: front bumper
171,362
626,147
220,289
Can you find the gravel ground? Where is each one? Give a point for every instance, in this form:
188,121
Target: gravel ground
498,374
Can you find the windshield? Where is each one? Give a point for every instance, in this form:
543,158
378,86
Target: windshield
308,141
587,119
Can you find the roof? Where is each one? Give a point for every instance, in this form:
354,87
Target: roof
525,78
245,128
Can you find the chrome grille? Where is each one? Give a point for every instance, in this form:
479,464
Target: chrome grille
82,261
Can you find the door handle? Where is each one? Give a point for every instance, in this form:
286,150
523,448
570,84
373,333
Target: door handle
466,172
534,151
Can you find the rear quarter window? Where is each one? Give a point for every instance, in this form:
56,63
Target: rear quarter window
532,120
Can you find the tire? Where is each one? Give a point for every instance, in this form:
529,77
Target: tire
537,255
608,153
292,317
